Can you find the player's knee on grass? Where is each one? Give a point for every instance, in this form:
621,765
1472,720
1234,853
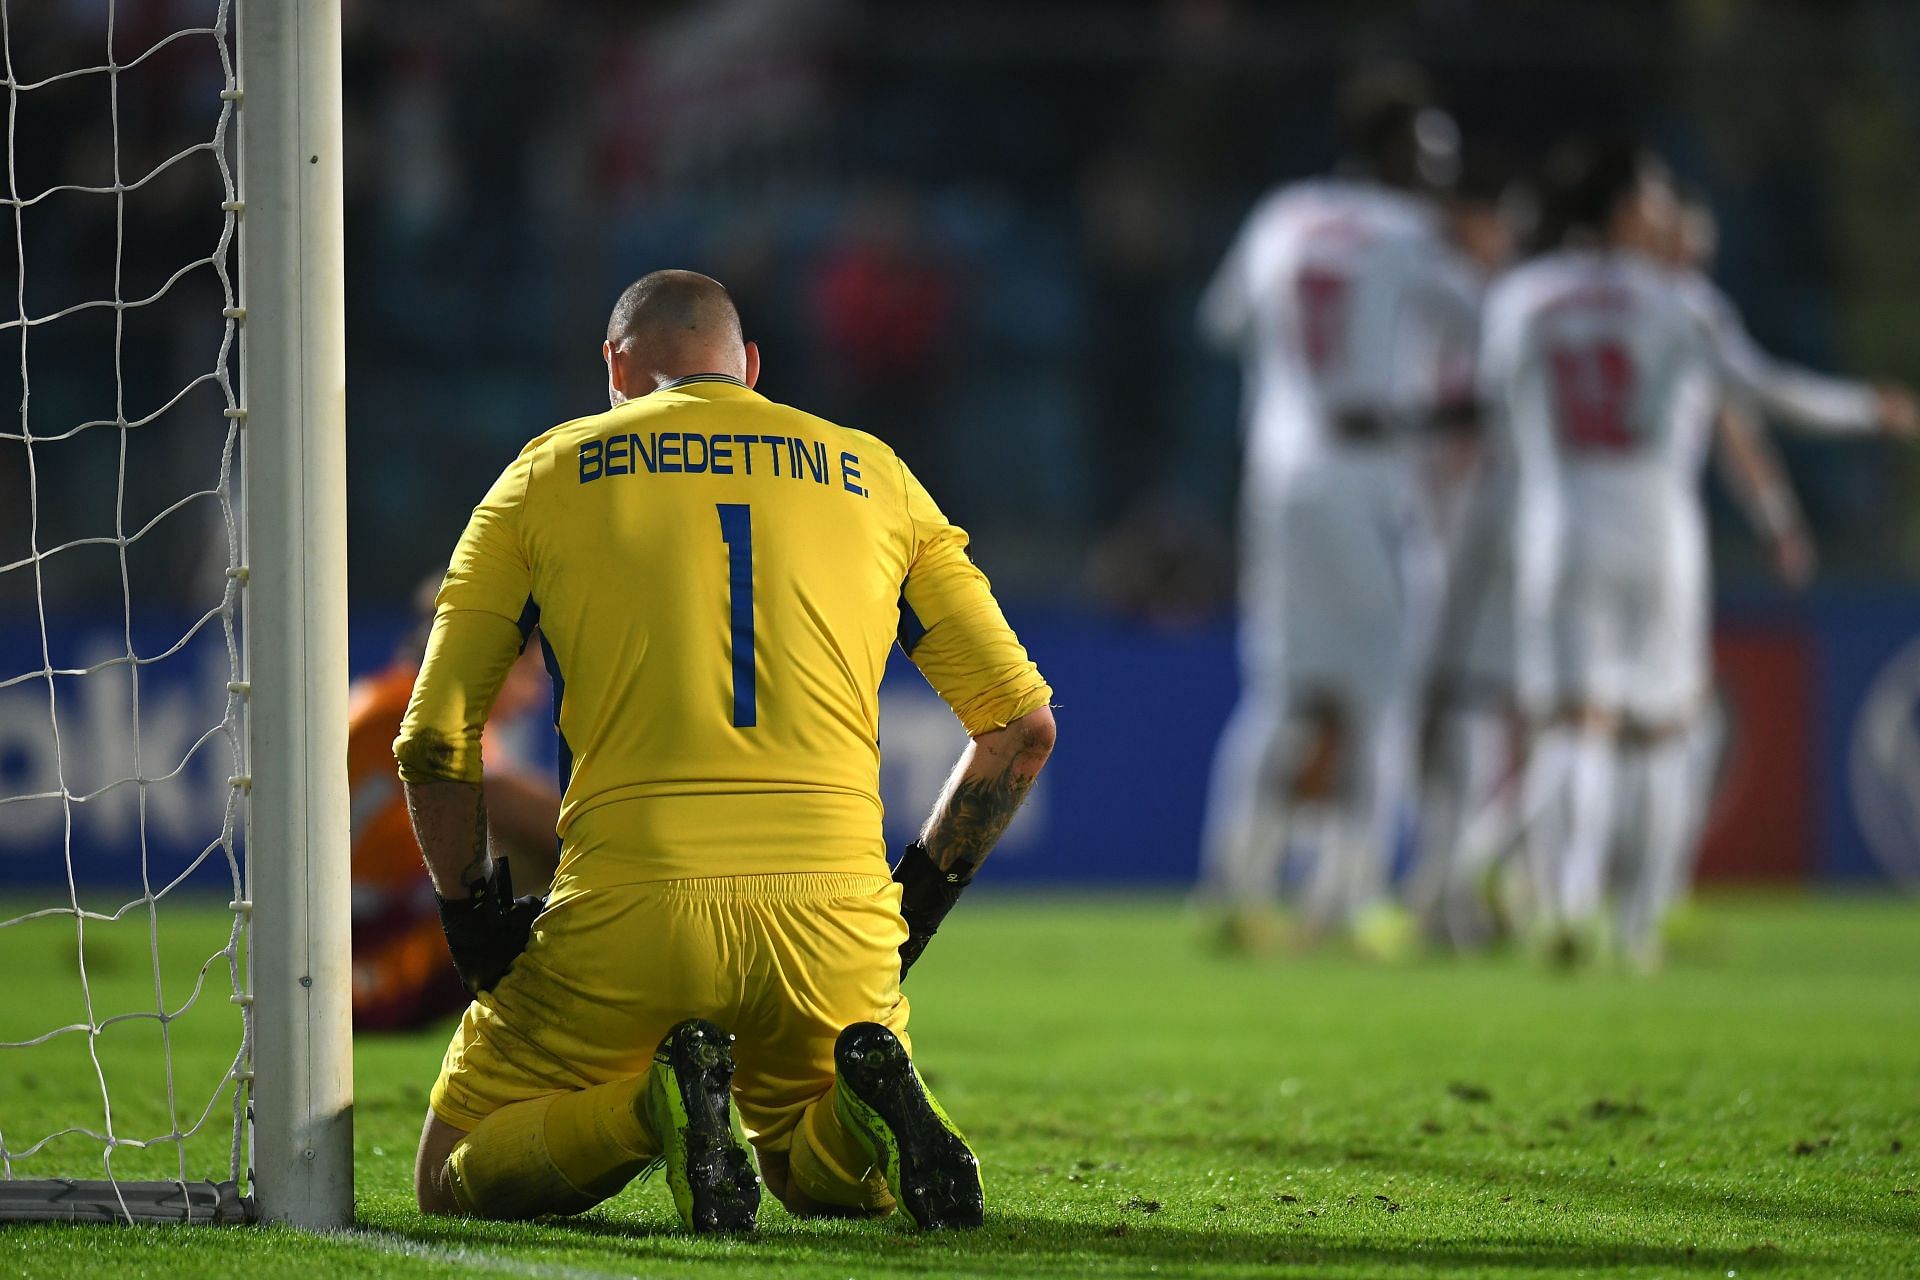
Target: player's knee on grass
775,1172
430,1190
560,1154
828,1172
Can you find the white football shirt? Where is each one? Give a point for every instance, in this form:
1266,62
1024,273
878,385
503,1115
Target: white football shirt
1342,297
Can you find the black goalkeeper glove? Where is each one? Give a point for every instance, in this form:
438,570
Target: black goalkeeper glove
926,895
487,931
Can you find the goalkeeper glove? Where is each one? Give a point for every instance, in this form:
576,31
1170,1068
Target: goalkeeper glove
926,895
488,930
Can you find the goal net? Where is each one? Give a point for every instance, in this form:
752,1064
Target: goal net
153,915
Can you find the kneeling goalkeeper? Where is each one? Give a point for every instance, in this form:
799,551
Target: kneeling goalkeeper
717,580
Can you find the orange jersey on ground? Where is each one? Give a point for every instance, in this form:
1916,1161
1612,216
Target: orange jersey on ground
402,975
385,854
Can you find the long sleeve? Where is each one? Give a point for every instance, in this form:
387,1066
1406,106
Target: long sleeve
481,620
1226,307
1798,396
953,629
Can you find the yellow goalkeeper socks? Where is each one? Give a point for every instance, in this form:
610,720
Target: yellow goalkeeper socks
560,1154
829,1165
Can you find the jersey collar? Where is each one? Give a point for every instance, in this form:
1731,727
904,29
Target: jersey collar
691,378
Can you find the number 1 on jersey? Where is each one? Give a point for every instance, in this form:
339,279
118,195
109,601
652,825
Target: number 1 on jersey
736,530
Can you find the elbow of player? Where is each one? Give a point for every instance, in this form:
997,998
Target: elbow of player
426,756
1037,733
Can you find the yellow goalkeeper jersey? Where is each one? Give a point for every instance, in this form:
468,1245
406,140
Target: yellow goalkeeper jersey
717,579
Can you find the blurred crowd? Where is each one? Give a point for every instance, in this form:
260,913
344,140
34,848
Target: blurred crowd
978,230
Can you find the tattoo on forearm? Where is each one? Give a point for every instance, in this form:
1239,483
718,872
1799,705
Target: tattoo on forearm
450,823
964,830
475,871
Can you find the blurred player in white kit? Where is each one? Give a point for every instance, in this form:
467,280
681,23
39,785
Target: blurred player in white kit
1744,456
1344,299
1469,739
1605,368
1754,384
1470,815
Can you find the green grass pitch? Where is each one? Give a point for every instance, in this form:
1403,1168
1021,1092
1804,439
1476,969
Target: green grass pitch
1146,1108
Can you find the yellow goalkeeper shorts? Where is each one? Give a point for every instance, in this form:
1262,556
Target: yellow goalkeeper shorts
784,962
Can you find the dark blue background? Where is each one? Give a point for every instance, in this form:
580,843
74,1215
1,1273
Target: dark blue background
1121,803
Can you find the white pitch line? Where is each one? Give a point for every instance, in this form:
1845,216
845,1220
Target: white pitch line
464,1256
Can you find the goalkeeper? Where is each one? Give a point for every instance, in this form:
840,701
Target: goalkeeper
717,580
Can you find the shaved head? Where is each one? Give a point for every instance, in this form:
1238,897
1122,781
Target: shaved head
673,324
674,308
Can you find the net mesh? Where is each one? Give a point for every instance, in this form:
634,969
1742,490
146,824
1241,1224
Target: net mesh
125,1036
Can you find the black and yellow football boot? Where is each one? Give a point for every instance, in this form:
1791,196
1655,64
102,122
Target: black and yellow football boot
689,1103
931,1171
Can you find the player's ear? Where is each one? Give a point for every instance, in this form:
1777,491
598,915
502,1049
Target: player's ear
616,378
753,363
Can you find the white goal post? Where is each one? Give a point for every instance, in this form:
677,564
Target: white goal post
293,385
282,491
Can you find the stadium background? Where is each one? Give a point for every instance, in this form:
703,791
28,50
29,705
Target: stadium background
979,230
